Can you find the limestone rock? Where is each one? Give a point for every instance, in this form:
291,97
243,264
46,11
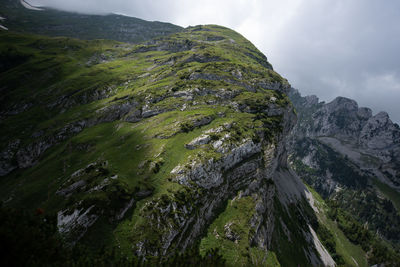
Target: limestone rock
379,132
357,131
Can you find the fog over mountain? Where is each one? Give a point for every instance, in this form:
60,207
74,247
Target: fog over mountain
328,48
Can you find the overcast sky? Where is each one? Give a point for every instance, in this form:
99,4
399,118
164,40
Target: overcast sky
328,48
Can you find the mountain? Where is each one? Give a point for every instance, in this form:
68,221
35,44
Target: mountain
155,147
376,136
178,149
19,16
351,158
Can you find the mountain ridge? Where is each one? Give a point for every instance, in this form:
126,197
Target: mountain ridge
52,22
179,148
374,135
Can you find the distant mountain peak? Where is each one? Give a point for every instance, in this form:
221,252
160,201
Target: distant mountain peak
342,118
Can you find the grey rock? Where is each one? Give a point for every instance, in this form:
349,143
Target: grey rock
364,113
379,132
70,189
203,121
311,100
201,140
7,164
357,131
230,234
209,175
75,223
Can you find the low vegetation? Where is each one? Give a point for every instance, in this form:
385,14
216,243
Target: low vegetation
95,128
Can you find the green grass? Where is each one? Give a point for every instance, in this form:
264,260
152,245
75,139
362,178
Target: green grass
272,260
237,214
344,247
67,80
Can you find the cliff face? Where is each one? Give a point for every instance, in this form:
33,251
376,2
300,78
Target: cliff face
157,147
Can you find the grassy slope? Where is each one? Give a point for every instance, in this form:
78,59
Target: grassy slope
237,214
52,68
357,196
350,252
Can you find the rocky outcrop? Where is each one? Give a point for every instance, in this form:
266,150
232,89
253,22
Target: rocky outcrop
364,133
340,117
256,167
379,133
241,167
210,174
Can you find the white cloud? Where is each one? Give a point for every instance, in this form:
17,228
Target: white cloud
382,93
389,82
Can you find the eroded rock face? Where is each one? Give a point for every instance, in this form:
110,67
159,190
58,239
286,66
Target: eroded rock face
342,119
379,132
219,181
209,174
229,233
77,222
256,167
339,117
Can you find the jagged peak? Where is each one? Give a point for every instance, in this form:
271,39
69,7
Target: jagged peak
341,102
379,121
344,103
